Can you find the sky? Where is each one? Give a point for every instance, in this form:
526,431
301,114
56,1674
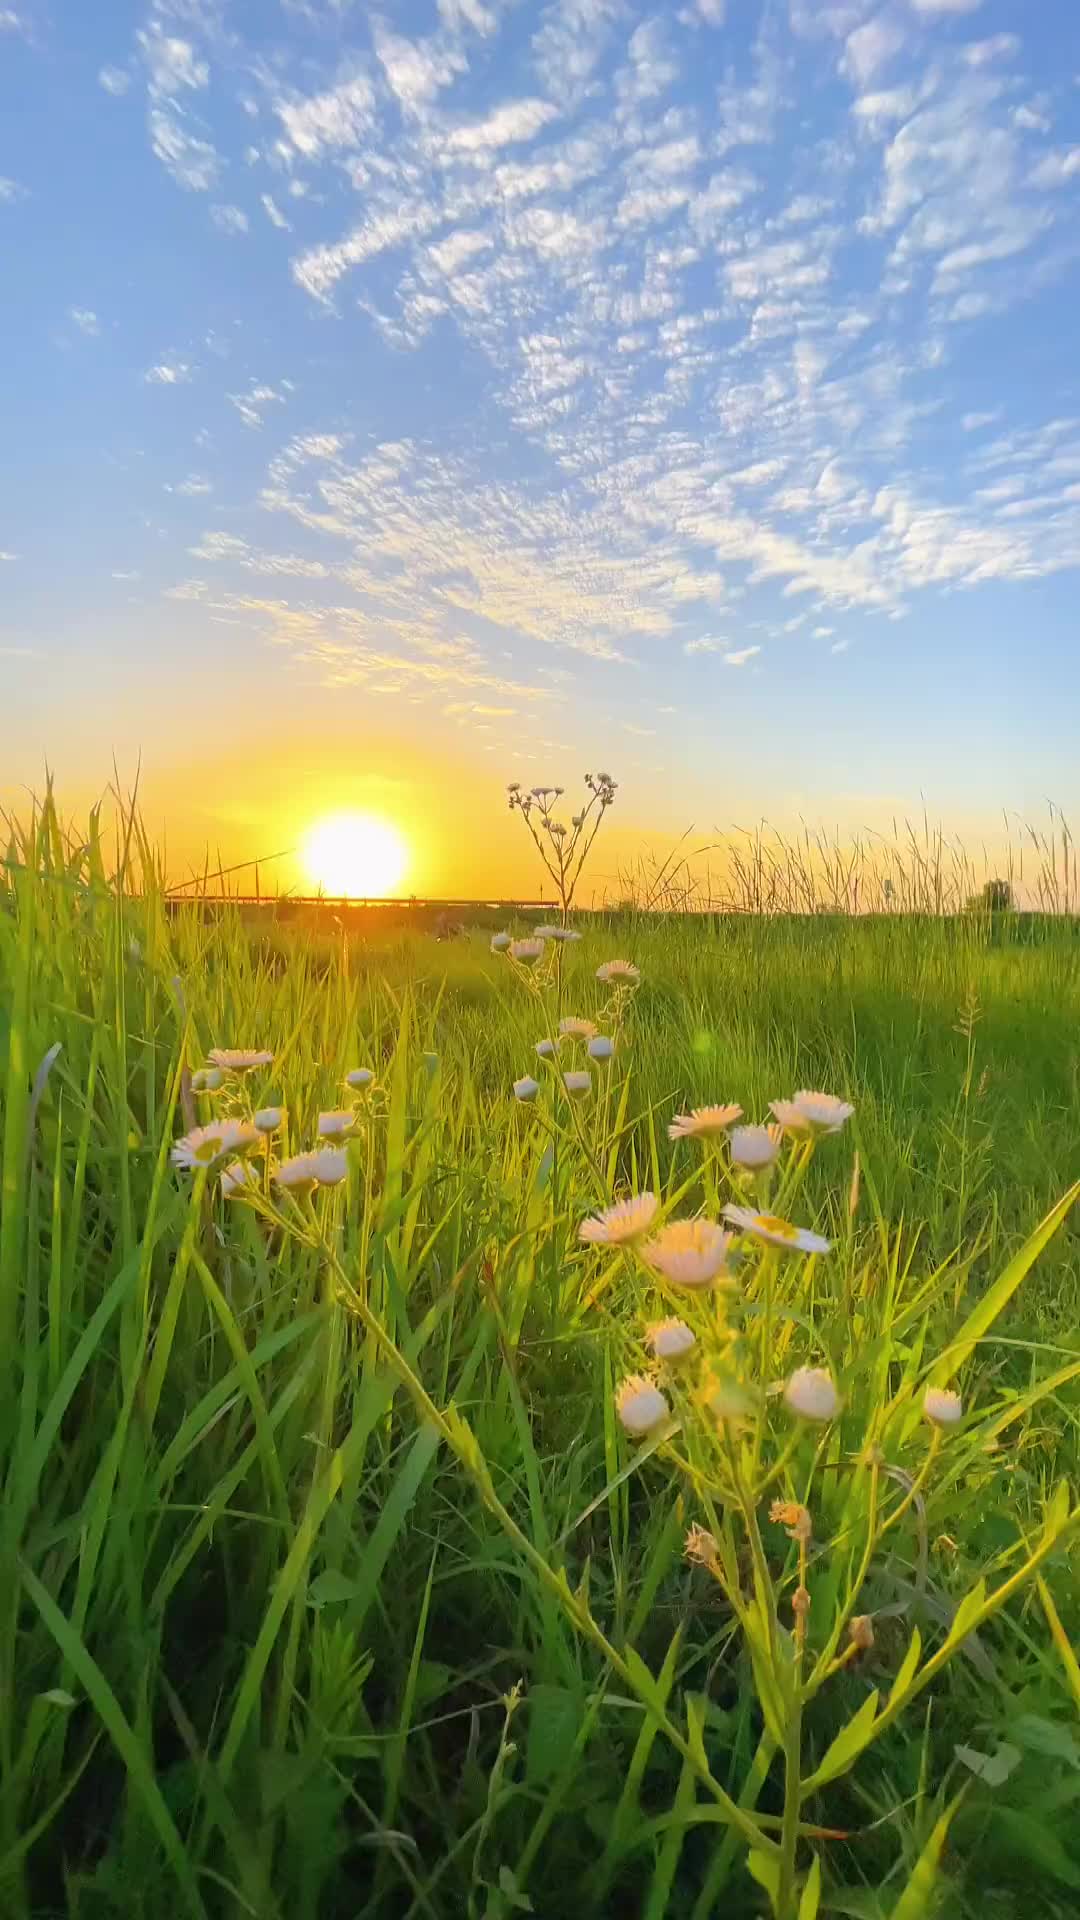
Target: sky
400,401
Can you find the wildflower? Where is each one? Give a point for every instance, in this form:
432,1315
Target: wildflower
640,1405
563,934
617,1226
795,1519
207,1079
701,1546
205,1146
811,1393
235,1060
547,1049
574,1029
526,1089
670,1339
323,1168
618,973
526,952
601,1048
514,786
334,1126
359,1077
702,1122
269,1119
942,1407
690,1253
500,942
577,1083
754,1147
812,1113
776,1232
238,1178
861,1631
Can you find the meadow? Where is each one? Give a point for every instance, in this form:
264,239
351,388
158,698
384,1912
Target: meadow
338,1576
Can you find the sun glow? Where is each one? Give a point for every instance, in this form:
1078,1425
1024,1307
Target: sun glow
355,854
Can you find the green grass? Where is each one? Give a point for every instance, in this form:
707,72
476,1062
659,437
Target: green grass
329,1584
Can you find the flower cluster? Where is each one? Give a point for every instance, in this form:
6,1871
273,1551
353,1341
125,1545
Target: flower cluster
225,1145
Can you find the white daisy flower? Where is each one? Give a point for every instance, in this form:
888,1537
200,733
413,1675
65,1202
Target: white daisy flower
207,1079
942,1407
703,1123
326,1167
690,1253
235,1060
526,1089
618,973
811,1393
812,1113
269,1119
670,1339
547,1049
577,1083
237,1179
572,1028
221,1140
617,1226
601,1047
754,1147
336,1125
526,952
563,934
359,1078
640,1405
500,942
775,1232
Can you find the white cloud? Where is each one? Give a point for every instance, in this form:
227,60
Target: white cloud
971,422
10,190
740,657
115,80
946,6
229,219
195,485
192,161
84,319
252,406
703,644
338,118
453,252
871,46
509,125
1057,168
168,373
171,63
274,213
416,70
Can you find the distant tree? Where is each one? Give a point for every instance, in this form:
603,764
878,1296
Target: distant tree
996,896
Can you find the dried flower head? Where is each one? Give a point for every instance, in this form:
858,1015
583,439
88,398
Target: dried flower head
640,1405
794,1518
618,973
808,1112
221,1140
942,1407
235,1060
690,1253
703,1123
207,1079
526,1089
800,1603
572,1028
861,1631
701,1546
811,1394
670,1339
621,1224
775,1232
754,1148
526,952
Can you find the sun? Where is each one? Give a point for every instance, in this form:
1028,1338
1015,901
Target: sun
355,854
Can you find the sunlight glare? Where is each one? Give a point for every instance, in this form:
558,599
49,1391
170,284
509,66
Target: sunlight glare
355,855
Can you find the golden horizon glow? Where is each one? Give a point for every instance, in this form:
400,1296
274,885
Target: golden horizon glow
355,856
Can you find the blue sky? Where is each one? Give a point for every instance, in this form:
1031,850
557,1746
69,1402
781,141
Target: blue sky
496,387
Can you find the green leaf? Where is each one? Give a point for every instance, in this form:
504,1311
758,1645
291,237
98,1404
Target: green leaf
1026,1838
994,1302
811,1893
553,1717
914,1902
1046,1736
993,1769
907,1669
330,1588
847,1745
765,1869
967,1614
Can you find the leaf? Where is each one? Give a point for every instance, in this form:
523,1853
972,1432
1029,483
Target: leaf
811,1893
1028,1838
847,1745
510,1890
765,1868
914,1902
1061,1639
59,1697
552,1723
1046,1736
907,1669
993,1769
994,1302
330,1588
966,1615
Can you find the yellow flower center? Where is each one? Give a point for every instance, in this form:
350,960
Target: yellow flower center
772,1224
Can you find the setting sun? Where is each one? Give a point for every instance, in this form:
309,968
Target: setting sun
355,854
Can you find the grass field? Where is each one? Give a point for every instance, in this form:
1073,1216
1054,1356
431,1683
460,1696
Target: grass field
331,1584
